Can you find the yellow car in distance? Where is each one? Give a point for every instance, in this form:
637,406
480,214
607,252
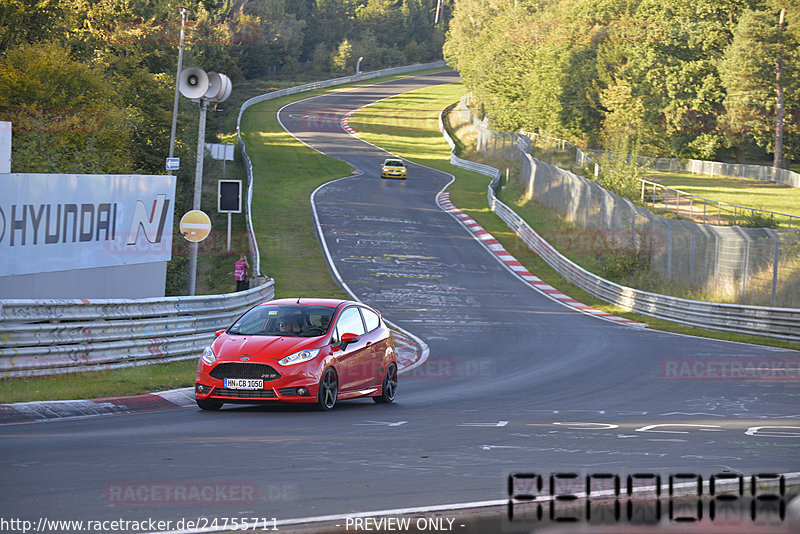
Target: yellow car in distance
393,168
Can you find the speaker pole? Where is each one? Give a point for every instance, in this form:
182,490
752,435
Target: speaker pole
198,190
177,86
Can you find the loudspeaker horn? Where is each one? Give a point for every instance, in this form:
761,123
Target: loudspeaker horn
219,87
193,83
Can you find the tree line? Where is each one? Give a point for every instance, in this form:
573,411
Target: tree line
701,79
89,84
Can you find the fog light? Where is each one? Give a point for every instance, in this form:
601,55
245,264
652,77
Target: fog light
303,392
202,389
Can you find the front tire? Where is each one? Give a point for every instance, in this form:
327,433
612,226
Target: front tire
208,404
328,390
389,387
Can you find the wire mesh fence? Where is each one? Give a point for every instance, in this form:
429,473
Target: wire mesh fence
748,265
710,168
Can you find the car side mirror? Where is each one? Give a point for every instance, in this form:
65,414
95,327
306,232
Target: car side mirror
219,332
348,338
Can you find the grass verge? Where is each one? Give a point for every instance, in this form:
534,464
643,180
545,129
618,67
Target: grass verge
99,384
417,138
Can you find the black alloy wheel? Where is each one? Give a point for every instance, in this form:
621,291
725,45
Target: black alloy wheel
389,385
328,390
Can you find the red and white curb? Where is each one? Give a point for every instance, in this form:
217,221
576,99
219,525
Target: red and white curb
494,246
406,350
29,412
345,123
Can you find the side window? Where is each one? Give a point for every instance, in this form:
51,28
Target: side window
371,319
350,322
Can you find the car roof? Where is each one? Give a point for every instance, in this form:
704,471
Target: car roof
309,301
398,160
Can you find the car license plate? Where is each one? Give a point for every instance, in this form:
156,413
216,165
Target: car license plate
244,383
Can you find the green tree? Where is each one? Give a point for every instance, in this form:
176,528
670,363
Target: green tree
271,37
66,117
384,19
342,58
748,73
30,21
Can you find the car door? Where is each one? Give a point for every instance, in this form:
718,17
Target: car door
377,342
349,358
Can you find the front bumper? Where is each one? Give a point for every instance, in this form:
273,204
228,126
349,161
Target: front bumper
282,389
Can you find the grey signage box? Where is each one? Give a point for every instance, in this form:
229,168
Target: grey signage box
229,199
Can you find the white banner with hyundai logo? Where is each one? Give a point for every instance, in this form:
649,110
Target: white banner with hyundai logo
59,222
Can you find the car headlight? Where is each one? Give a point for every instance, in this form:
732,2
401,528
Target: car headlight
208,356
299,357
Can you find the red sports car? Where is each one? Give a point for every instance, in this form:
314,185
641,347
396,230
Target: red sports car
302,351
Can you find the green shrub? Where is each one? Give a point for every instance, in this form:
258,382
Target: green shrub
758,219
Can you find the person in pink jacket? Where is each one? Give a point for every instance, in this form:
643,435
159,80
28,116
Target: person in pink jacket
240,269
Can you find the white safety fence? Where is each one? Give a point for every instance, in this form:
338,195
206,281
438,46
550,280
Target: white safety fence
711,168
45,337
781,323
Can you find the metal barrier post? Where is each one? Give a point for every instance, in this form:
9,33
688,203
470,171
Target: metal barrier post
776,258
746,261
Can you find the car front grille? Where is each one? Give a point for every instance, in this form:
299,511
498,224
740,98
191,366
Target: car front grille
244,370
245,393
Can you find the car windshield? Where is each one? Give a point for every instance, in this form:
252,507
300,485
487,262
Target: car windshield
393,163
284,320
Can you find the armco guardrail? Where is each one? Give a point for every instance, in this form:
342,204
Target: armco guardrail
45,337
300,89
783,323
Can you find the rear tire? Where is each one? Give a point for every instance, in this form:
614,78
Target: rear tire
328,390
389,387
208,404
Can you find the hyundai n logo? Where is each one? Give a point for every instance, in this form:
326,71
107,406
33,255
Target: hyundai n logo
37,224
152,223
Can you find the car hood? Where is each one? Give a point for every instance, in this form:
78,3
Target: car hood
261,347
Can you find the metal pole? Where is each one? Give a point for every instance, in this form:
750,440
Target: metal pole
198,190
229,231
177,87
745,263
692,229
775,261
669,249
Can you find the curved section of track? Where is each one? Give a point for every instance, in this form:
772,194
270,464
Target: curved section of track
514,382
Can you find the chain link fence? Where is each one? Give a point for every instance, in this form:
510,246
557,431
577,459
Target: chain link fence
747,265
711,168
